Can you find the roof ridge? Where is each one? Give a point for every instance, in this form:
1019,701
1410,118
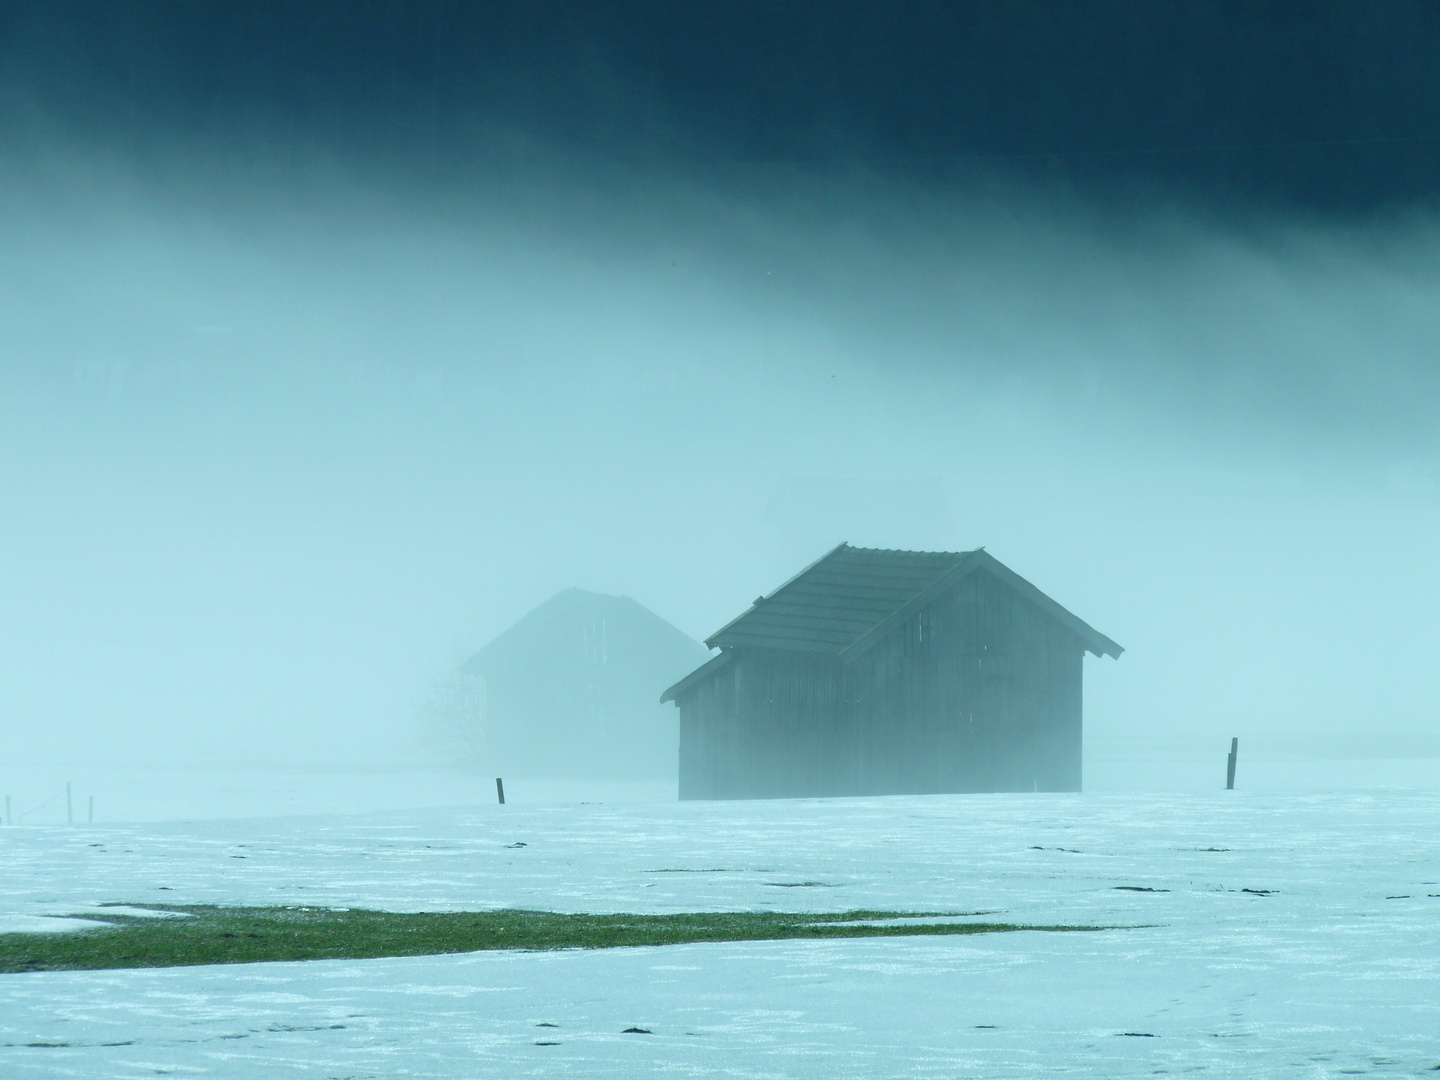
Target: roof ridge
912,551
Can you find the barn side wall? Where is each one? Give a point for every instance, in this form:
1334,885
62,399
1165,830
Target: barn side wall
980,691
768,725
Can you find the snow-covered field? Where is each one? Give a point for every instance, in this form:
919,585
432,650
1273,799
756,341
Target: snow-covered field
1288,935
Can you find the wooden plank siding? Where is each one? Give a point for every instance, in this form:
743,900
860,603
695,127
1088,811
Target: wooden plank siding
980,690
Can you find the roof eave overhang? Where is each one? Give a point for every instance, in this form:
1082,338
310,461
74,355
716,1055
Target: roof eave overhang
699,675
1095,642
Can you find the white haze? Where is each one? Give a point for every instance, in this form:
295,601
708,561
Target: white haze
275,451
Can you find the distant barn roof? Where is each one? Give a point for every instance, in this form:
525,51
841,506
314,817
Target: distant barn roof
845,601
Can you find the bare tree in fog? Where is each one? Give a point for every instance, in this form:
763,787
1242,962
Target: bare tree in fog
452,716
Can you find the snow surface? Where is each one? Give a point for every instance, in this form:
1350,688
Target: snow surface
14,923
129,792
1299,936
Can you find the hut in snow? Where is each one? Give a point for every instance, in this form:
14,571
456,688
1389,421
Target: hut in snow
877,672
570,691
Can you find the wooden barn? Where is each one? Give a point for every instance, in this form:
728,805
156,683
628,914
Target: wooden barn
570,691
876,672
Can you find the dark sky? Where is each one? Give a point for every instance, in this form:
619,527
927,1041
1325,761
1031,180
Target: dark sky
1326,105
338,336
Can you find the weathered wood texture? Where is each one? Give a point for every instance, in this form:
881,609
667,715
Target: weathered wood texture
978,691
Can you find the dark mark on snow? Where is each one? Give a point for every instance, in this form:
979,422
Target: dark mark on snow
64,1046
1259,892
984,1027
305,1027
1212,849
1138,888
1405,897
518,843
547,1044
1136,1035
801,885
637,1031
547,1024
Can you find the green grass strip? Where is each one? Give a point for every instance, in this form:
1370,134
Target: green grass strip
245,935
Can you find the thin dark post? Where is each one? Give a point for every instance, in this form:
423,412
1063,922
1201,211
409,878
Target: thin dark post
1230,765
500,789
69,814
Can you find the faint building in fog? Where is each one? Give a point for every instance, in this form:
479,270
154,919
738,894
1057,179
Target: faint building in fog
878,672
571,691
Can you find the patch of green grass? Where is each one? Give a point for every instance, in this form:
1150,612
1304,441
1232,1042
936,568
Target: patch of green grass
242,935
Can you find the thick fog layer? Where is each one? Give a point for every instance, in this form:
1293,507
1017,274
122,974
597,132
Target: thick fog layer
281,446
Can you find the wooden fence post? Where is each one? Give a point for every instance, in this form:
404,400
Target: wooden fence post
500,790
1230,765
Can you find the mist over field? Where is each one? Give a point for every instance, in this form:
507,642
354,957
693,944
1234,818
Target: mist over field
396,396
287,433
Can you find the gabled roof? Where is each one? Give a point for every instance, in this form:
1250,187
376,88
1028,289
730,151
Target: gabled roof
548,644
836,600
851,597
